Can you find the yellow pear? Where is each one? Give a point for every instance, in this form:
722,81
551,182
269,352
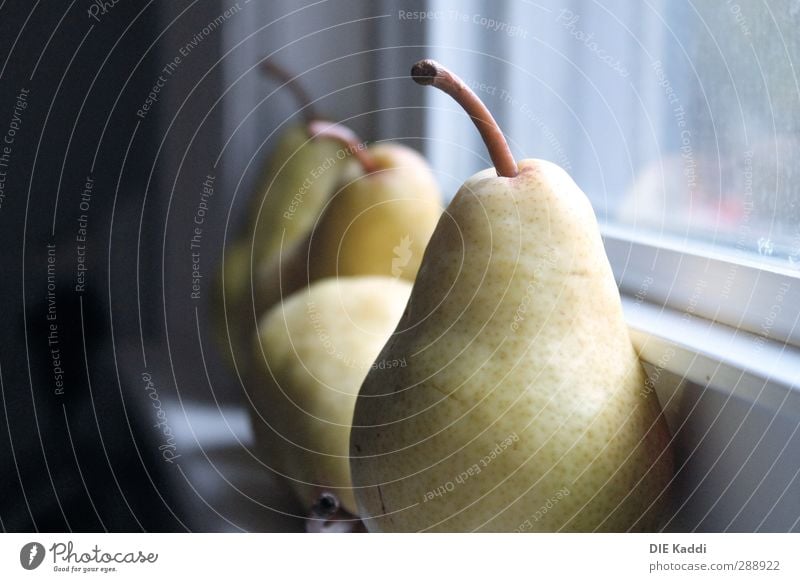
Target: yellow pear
521,406
301,174
313,352
377,223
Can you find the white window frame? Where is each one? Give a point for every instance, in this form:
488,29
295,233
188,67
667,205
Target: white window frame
688,335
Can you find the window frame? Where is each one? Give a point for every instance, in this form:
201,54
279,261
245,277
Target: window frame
693,339
713,356
703,282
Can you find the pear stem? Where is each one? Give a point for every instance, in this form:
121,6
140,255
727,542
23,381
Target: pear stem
274,71
429,72
348,138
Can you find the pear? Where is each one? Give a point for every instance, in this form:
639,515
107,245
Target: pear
302,174
292,189
313,352
521,406
297,181
288,200
378,223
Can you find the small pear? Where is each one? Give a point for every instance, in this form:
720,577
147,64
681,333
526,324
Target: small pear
521,407
301,174
295,184
288,200
377,223
312,354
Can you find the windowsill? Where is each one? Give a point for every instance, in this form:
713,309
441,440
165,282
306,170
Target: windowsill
677,302
725,249
740,364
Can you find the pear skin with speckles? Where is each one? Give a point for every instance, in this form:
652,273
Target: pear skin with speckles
311,355
523,405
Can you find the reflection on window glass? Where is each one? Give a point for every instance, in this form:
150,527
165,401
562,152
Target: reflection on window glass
728,166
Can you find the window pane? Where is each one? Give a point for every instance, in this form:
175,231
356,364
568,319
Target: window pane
676,118
727,169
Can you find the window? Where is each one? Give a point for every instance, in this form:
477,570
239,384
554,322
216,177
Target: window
681,122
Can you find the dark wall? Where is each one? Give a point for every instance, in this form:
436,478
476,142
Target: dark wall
117,117
78,453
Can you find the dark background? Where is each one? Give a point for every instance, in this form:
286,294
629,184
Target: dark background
89,459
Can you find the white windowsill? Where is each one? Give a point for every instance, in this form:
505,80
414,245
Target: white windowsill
749,295
759,370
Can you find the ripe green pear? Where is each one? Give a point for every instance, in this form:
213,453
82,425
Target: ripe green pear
295,185
521,406
297,181
377,223
313,352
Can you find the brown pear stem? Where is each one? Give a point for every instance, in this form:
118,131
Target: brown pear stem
274,71
429,72
347,138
